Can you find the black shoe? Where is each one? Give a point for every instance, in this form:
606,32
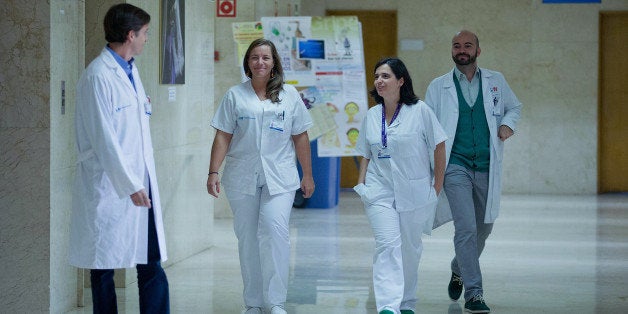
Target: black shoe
455,287
476,305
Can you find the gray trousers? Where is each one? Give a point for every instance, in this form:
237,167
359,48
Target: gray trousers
467,191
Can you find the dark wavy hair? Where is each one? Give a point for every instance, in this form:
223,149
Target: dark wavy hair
275,84
406,92
122,18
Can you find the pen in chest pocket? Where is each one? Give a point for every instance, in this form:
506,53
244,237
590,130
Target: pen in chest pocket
148,108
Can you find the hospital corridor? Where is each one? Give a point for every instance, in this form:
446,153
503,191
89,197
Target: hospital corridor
551,140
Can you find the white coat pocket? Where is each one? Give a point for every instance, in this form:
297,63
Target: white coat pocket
370,194
361,190
238,176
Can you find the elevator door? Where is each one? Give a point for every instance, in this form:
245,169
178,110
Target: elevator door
613,104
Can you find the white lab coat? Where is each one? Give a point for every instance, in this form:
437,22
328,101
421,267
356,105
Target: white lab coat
406,178
115,160
262,138
501,107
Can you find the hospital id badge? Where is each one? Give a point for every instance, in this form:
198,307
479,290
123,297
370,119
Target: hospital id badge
383,152
276,125
496,105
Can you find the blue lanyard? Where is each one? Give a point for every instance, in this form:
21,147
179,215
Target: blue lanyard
384,138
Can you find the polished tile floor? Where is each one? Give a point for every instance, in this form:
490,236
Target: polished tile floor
547,254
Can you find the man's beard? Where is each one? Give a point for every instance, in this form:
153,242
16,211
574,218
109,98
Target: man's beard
470,59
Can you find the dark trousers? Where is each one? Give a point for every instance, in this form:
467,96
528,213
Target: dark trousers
151,281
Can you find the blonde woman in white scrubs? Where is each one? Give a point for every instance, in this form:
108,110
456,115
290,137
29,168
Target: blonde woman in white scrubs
397,183
260,131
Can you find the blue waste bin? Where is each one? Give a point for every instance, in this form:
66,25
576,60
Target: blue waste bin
326,173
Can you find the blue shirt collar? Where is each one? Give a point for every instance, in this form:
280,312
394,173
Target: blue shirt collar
127,66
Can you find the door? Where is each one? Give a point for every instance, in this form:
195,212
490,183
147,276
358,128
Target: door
613,104
379,36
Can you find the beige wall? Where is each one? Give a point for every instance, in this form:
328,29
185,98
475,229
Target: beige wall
548,53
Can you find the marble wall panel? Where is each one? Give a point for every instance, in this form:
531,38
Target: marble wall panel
24,219
25,161
25,61
63,295
67,62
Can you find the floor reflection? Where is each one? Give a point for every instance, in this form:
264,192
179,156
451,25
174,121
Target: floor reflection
547,254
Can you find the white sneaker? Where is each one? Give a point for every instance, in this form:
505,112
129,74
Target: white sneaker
278,309
253,310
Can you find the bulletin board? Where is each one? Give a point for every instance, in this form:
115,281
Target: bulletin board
323,58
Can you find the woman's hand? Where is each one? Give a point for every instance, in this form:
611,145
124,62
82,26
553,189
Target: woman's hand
213,184
302,148
307,186
439,167
219,151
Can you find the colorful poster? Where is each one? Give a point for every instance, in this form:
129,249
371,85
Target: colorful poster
173,42
287,33
323,57
244,34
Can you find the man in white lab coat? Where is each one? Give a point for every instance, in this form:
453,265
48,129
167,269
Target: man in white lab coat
116,212
478,111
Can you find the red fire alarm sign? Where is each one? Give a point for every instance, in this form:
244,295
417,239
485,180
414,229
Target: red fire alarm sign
226,8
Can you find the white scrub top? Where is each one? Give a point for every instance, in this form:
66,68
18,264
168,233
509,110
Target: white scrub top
405,180
262,138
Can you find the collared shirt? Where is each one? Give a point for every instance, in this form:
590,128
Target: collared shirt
471,89
127,66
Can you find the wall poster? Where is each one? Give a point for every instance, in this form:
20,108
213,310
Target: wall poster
172,42
323,57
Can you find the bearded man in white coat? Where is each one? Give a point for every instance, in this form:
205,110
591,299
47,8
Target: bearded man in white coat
116,212
478,111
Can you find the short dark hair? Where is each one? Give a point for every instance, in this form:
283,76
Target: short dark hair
406,92
122,18
275,84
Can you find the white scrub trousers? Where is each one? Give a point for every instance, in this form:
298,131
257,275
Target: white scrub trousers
398,248
261,224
